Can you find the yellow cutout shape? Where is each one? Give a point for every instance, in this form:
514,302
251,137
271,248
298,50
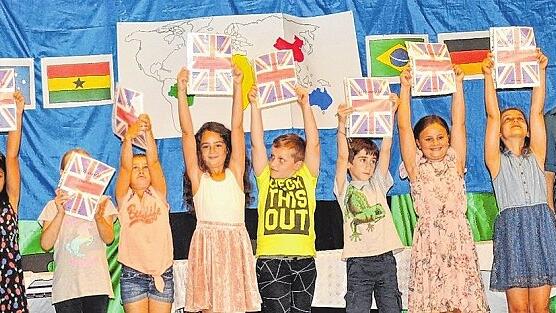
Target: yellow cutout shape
248,77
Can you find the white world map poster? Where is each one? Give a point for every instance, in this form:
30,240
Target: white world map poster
150,54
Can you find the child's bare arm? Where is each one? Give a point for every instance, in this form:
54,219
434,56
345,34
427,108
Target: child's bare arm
386,146
158,182
237,158
343,148
126,160
408,147
13,176
312,149
492,136
189,145
258,149
105,227
536,118
458,137
51,229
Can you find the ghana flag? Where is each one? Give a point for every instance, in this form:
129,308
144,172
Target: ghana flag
77,81
387,54
468,50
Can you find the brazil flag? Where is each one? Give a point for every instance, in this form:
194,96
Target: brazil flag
387,57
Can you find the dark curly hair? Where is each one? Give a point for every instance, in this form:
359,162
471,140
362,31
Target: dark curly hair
226,135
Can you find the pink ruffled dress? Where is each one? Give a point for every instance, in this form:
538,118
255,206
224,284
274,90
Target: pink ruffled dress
221,266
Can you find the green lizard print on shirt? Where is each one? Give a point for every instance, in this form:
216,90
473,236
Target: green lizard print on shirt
358,209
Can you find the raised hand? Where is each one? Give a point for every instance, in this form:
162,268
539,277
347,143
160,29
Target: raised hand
253,96
543,59
19,101
60,200
405,77
459,73
395,100
343,112
133,130
302,96
183,77
144,123
237,74
487,65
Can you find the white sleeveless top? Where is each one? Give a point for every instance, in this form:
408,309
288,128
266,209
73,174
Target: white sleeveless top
220,201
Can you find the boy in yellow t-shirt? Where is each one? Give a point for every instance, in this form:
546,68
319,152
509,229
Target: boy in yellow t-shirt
286,271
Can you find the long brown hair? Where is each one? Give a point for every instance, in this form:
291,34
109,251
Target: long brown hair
226,135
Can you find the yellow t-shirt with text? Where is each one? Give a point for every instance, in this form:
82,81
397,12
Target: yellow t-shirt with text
286,212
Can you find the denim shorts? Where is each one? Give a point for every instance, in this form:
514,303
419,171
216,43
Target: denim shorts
135,286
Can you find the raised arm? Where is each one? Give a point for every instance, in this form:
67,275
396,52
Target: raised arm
237,158
13,176
258,149
153,162
126,160
189,145
458,137
408,147
492,136
51,229
536,118
386,146
343,148
312,144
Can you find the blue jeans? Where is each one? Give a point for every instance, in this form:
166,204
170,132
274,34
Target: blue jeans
136,286
373,275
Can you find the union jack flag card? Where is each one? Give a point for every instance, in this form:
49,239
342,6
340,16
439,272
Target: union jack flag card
126,110
8,109
209,60
370,97
515,57
431,69
84,179
276,79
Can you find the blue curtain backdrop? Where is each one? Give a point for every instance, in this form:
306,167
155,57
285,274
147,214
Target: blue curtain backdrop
49,28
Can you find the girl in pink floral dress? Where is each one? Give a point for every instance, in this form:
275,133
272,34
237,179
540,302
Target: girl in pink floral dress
444,265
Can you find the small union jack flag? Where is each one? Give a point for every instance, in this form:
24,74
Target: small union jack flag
431,69
276,80
128,107
370,97
210,64
8,109
515,57
85,180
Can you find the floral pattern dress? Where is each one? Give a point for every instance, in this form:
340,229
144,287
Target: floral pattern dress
444,265
12,289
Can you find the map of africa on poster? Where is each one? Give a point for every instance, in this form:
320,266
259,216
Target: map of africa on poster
150,54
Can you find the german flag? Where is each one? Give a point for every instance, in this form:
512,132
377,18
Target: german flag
467,50
82,82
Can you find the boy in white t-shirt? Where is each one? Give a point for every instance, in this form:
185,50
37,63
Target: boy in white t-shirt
370,237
